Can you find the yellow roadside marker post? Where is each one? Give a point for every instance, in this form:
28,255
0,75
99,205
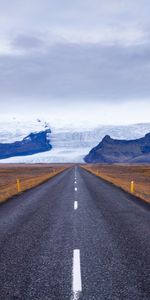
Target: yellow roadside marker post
18,186
132,187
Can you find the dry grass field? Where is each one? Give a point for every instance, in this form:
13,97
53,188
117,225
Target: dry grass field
28,175
122,175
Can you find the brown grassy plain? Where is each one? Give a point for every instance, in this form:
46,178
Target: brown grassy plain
122,175
29,175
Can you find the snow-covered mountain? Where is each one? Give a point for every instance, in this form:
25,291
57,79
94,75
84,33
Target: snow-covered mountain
33,143
70,142
15,130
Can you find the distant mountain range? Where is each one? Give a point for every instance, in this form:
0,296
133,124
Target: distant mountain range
120,151
33,143
64,142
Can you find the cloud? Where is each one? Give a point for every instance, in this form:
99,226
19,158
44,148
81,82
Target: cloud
58,52
78,71
105,36
27,42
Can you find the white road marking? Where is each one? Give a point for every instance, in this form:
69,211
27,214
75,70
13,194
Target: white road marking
75,181
75,189
76,275
75,205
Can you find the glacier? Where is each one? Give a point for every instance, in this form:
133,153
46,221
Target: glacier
70,142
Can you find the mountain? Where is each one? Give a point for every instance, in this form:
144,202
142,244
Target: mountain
70,142
33,143
120,151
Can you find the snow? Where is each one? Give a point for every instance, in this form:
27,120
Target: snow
70,142
13,130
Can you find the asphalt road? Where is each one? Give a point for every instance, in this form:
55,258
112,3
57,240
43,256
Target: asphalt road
75,239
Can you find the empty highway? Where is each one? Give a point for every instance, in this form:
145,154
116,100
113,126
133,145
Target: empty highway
75,237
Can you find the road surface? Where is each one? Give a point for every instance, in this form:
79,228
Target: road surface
75,237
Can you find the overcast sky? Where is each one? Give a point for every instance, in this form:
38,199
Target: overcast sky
83,59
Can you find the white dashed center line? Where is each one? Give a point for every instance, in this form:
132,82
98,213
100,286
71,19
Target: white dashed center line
76,275
75,205
75,189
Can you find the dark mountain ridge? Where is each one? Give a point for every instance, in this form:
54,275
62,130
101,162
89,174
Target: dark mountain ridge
32,144
120,151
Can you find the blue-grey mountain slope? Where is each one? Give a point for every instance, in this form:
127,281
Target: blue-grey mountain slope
120,151
33,143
